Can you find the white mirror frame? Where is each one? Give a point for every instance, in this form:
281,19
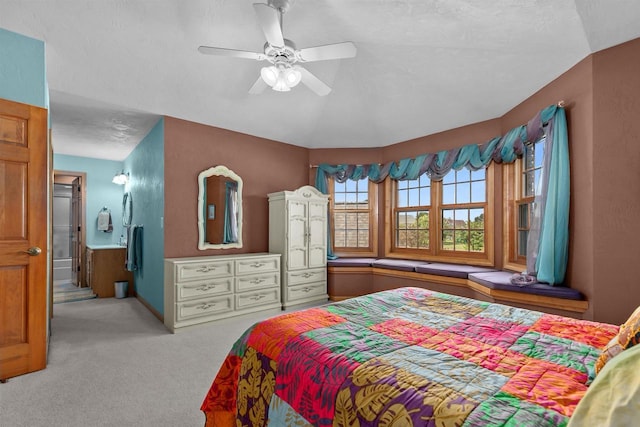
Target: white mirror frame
202,177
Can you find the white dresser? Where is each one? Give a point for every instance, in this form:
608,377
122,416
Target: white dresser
298,231
202,289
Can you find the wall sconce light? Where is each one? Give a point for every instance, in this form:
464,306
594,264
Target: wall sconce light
120,178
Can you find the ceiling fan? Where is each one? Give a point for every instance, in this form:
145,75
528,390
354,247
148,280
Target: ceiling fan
284,72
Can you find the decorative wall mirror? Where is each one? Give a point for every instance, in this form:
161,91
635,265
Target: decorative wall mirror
127,209
219,209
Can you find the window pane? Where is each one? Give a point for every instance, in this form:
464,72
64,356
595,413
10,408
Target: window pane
363,185
412,238
447,218
414,197
363,238
401,240
522,242
403,200
401,184
363,221
352,238
529,184
539,150
447,240
463,193
363,201
463,175
448,194
478,191
449,177
339,186
401,220
537,188
476,217
422,220
338,200
461,218
351,185
461,240
423,239
477,241
425,196
339,238
480,174
523,217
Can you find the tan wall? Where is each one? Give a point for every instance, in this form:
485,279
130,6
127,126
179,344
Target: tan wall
265,167
616,181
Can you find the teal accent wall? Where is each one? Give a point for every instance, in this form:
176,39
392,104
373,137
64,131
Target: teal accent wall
146,184
22,69
100,192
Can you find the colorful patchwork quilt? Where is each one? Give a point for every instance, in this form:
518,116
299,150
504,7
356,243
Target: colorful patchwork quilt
407,357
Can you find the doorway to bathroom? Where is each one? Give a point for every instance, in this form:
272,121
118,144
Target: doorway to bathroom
68,234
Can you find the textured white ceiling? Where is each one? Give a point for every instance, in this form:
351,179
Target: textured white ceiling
423,66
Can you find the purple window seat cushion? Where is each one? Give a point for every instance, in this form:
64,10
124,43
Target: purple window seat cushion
502,280
398,264
351,262
452,270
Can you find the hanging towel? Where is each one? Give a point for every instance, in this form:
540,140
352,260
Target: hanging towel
104,221
134,248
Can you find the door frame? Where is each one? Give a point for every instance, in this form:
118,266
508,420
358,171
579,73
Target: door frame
65,177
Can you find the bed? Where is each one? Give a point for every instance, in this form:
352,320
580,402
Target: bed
407,357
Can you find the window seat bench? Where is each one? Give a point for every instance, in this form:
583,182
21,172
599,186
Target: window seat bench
349,277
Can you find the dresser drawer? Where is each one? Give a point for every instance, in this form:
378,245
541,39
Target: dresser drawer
305,291
257,298
257,265
257,281
306,276
204,288
204,307
203,270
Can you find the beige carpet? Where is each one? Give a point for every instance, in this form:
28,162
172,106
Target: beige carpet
112,363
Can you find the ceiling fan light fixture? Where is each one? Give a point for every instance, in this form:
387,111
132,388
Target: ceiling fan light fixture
269,75
292,77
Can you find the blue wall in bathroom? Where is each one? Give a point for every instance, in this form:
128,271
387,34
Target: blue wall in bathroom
146,184
100,191
22,69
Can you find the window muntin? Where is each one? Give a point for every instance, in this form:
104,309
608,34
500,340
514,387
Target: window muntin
353,206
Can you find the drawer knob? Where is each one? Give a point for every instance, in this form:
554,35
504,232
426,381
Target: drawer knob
305,290
206,287
257,264
257,281
206,305
307,275
256,297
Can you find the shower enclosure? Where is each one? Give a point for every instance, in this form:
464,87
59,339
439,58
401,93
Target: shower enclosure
66,230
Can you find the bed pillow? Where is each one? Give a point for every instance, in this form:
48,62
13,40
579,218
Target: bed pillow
628,336
613,398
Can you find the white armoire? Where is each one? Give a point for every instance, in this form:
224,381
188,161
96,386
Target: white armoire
298,231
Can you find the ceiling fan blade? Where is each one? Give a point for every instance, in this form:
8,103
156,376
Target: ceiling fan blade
329,51
258,86
313,83
270,22
219,51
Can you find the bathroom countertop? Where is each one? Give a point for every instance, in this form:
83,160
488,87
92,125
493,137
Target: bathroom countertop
112,246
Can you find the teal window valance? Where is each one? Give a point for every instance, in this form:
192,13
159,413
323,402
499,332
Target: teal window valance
548,243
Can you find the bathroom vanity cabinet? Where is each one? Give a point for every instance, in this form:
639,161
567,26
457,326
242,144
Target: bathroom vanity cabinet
105,266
